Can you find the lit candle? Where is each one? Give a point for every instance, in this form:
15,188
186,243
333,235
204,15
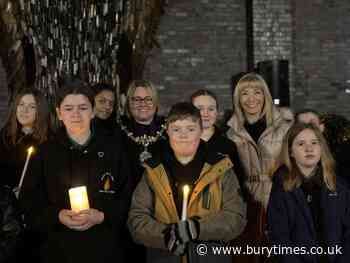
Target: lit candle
186,191
78,198
30,150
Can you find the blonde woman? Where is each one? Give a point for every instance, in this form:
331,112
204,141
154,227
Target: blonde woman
257,127
307,207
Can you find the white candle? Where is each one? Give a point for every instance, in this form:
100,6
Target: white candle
186,191
29,153
78,198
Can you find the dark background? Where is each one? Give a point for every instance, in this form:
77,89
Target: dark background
204,43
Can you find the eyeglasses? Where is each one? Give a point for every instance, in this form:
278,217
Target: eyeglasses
138,100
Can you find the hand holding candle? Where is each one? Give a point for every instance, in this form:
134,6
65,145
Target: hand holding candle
78,198
186,191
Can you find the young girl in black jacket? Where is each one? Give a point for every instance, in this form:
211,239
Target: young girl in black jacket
27,125
308,211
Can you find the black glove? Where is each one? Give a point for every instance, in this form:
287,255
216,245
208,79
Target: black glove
176,236
188,230
173,241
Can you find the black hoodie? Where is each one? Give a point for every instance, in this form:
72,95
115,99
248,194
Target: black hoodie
60,165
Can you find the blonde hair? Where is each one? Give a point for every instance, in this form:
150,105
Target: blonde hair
253,80
294,176
144,84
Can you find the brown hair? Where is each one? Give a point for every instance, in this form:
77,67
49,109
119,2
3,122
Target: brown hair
294,176
204,92
305,111
41,122
184,110
75,87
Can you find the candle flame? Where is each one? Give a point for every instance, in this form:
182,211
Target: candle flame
30,150
186,189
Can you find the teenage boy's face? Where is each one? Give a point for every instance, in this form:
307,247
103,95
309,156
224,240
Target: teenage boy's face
76,113
184,137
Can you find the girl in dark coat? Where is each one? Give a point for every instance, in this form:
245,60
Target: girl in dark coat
26,125
308,210
76,157
216,140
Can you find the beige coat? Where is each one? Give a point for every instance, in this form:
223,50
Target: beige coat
260,159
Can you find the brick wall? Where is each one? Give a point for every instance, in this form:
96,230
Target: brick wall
273,32
313,35
202,44
272,21
322,55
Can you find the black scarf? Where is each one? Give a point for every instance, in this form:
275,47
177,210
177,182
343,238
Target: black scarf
256,129
180,174
312,187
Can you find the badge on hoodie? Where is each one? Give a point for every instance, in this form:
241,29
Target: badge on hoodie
106,183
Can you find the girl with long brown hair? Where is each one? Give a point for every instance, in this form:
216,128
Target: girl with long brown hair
308,207
27,125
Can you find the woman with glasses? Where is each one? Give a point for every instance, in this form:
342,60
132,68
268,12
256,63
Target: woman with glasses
142,131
